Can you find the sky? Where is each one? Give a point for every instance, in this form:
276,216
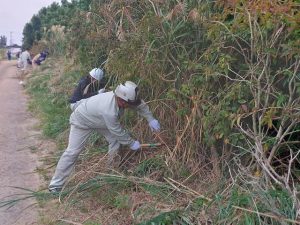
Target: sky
14,14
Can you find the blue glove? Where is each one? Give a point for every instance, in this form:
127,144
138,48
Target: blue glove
135,145
154,125
102,90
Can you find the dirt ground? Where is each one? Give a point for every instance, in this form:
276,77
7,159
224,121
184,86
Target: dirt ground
17,136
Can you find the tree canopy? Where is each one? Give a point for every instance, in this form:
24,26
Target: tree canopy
3,41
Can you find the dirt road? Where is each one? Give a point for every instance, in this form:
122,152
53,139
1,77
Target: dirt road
17,163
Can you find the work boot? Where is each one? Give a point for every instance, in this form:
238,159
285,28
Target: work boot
55,190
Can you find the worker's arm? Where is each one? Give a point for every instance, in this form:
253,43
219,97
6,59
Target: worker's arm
78,91
143,110
115,128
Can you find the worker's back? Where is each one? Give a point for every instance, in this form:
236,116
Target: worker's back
96,111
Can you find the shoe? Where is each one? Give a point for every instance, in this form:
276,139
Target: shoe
54,190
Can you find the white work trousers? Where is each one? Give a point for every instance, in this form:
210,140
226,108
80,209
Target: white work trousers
77,140
24,64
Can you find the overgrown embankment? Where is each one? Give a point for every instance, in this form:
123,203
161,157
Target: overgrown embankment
222,78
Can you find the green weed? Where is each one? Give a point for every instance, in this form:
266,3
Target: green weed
268,204
149,166
168,218
122,201
54,114
26,194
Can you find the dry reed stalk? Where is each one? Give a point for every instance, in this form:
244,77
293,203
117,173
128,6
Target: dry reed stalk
70,222
129,17
120,33
215,162
158,135
178,141
162,114
194,193
278,218
84,174
106,219
176,11
194,15
187,154
191,191
160,1
165,79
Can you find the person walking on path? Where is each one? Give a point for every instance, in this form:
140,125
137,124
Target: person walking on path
25,59
8,53
87,86
101,113
19,62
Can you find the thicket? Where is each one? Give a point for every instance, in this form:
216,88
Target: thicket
41,25
221,76
3,41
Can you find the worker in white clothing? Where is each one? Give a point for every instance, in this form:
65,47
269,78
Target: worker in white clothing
101,113
25,59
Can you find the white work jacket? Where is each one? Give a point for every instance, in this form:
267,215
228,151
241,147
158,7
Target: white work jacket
102,112
24,56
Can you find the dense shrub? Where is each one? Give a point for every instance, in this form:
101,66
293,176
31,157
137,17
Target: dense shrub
221,76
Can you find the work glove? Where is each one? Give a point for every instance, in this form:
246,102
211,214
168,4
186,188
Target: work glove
135,145
154,125
102,90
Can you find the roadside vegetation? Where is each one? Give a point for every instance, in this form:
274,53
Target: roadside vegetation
3,53
223,79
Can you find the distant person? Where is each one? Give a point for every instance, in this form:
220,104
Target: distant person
39,58
8,53
88,86
25,59
19,65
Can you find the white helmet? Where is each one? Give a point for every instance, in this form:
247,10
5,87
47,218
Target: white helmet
97,73
128,92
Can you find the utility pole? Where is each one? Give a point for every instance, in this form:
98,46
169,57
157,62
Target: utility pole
11,39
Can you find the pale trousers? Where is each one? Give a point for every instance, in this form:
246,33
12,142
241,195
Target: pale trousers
24,64
77,140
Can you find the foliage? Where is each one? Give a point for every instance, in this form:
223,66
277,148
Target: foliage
3,41
2,53
48,103
167,218
267,203
28,34
222,101
149,166
54,15
221,76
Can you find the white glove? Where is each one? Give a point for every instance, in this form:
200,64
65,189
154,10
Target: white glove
102,90
135,145
154,125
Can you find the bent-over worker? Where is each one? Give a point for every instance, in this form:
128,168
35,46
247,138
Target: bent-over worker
87,86
101,113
